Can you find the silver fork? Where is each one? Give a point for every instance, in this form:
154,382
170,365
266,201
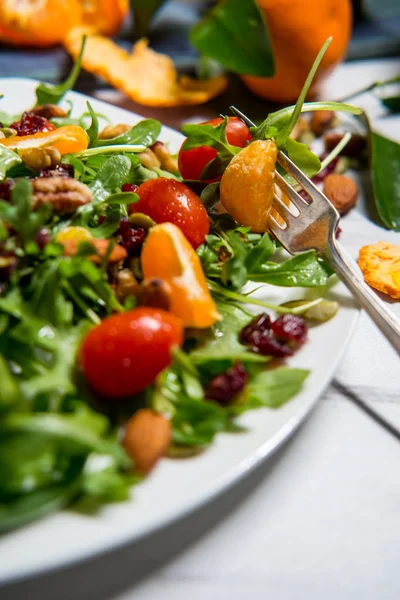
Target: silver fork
314,227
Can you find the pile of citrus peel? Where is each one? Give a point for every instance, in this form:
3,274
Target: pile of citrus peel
145,76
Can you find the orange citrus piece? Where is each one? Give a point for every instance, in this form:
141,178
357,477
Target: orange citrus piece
247,185
380,265
67,139
169,256
297,29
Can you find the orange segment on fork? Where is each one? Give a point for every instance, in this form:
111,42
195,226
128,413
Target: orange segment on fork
168,255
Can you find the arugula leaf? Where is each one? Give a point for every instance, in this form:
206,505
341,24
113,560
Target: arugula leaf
53,94
24,508
385,159
9,391
144,133
302,270
111,175
274,387
93,129
8,159
236,35
303,157
260,253
20,216
196,423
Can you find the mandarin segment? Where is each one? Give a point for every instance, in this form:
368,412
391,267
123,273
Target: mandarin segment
247,185
66,139
167,255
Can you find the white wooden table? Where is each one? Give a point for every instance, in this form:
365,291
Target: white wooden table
320,520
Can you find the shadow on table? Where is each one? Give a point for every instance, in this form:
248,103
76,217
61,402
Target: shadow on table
110,574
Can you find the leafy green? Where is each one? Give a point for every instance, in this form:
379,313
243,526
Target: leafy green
274,387
53,94
110,177
303,270
385,158
9,391
236,35
21,217
144,133
93,129
196,423
8,159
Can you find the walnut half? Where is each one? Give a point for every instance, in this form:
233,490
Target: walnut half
65,194
41,158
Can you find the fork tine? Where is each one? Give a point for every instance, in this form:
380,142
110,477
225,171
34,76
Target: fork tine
284,211
238,113
306,183
281,235
287,189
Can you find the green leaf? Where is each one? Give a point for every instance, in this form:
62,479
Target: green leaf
302,270
8,159
93,130
53,94
303,157
25,508
195,423
236,35
260,253
385,159
110,177
274,387
144,133
9,391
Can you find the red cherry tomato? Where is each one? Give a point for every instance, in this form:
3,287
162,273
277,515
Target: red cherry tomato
125,352
168,200
192,162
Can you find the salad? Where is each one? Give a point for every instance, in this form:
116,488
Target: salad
128,329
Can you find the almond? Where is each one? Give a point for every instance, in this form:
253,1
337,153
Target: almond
342,191
146,439
321,120
356,145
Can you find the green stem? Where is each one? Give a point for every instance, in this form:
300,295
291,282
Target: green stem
88,312
118,149
214,287
336,151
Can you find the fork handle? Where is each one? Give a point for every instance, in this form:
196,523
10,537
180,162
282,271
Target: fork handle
383,317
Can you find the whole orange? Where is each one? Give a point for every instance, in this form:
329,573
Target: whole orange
298,28
106,16
39,23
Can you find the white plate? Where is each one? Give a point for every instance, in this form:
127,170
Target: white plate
176,487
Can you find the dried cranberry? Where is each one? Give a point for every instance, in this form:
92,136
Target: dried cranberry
132,237
290,328
57,171
30,123
129,187
42,237
223,388
267,345
5,189
260,323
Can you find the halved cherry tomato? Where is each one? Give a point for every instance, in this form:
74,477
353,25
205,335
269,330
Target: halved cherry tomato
170,201
67,139
192,162
125,352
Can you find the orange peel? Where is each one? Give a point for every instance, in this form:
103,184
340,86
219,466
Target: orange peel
147,77
380,265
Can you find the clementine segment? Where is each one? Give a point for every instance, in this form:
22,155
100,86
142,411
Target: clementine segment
169,256
67,139
298,28
247,185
